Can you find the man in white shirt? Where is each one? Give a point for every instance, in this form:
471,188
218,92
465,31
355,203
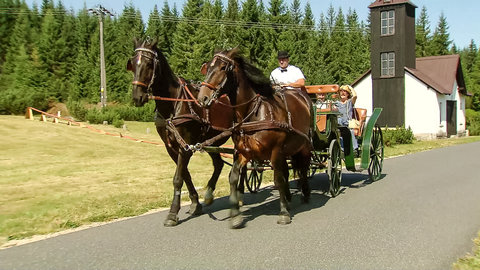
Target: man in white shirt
285,74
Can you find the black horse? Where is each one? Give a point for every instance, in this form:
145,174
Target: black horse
180,122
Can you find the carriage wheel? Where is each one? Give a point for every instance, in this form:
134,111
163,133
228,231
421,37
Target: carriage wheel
314,161
254,179
376,155
335,167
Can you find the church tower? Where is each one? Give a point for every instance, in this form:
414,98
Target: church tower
392,49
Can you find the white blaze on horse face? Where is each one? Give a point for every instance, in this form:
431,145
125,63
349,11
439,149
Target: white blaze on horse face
139,61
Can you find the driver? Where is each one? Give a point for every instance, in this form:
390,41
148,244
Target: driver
285,74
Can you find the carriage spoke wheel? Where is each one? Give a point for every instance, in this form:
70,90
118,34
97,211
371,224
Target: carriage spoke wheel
335,168
376,155
314,161
254,179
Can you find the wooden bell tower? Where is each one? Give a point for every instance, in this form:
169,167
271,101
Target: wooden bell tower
392,49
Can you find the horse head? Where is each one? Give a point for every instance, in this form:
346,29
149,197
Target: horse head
145,67
219,76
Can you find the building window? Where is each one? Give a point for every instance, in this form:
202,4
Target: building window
388,22
388,64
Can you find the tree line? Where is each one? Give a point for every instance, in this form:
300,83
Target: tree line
51,54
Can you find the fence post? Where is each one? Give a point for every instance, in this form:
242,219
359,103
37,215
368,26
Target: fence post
43,118
29,114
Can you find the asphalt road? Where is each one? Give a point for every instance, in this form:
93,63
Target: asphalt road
423,214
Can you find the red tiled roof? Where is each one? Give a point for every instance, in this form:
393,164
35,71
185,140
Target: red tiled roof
379,3
438,72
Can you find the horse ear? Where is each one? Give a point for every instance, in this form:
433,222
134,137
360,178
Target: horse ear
155,43
129,64
203,69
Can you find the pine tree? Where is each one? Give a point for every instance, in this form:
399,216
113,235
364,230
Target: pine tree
441,38
422,34
119,35
257,46
169,27
358,56
232,36
154,25
7,22
183,41
205,38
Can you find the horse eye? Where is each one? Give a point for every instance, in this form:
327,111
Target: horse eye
223,67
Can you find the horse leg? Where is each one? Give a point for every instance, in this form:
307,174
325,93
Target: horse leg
181,174
302,163
236,218
241,185
288,194
217,169
279,165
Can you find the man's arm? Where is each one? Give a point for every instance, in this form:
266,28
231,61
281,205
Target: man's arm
297,83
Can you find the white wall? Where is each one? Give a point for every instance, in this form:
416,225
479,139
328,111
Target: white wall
423,107
460,108
364,94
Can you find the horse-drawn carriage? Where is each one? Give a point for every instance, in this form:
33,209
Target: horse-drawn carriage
327,137
280,129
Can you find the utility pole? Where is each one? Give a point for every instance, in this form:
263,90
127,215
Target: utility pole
101,12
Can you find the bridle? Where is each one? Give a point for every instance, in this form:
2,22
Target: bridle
217,89
152,55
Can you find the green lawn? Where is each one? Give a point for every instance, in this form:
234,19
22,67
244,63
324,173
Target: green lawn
56,177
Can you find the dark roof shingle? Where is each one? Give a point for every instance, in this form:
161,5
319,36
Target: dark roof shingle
379,3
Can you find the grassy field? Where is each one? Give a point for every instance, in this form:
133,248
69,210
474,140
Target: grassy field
57,177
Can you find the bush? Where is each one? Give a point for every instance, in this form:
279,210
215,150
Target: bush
114,114
77,109
399,135
473,122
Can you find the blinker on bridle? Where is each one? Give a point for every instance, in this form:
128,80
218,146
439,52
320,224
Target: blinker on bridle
230,65
152,55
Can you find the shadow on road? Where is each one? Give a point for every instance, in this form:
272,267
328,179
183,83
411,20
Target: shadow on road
266,200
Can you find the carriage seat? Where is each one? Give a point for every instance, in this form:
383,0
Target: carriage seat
361,115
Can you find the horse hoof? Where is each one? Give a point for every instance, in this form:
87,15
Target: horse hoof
208,201
195,210
208,197
284,220
236,222
171,221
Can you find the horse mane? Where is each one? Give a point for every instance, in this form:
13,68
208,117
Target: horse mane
259,82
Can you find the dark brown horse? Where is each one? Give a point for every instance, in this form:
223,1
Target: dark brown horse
180,122
270,125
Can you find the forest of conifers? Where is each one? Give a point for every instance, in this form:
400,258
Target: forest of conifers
49,53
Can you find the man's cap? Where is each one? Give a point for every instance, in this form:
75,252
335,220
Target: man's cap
282,54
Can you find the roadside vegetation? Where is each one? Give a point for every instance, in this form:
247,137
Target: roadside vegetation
470,261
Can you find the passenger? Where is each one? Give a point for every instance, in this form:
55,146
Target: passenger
321,101
348,96
285,74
